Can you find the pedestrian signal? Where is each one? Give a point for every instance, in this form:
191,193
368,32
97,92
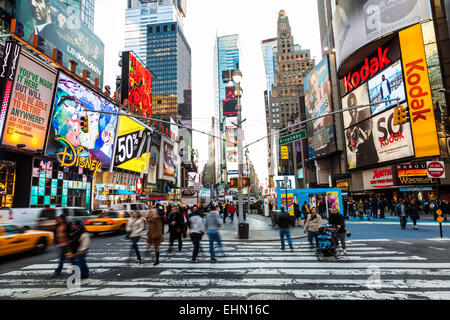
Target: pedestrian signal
234,182
84,124
246,182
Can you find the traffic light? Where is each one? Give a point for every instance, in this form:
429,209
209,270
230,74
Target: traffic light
400,115
245,182
84,124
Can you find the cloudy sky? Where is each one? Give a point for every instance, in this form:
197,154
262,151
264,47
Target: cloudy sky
253,21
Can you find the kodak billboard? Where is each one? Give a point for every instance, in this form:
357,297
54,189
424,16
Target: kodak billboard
418,92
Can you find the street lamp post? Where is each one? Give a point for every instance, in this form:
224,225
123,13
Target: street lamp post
237,77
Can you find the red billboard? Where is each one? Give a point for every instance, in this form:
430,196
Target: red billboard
136,85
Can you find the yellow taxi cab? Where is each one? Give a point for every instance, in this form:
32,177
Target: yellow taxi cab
14,239
108,221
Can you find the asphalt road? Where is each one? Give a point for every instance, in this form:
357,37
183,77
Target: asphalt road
400,268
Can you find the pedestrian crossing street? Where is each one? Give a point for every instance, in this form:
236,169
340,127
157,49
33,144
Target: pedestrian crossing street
258,270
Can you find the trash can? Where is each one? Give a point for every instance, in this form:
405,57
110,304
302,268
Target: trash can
243,230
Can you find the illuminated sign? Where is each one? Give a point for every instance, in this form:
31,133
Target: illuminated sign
418,92
133,146
8,71
78,157
230,102
378,178
377,63
411,174
28,115
136,84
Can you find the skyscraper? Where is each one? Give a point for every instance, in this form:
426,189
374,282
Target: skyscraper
226,56
154,31
292,65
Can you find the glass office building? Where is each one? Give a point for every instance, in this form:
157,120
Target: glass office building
154,32
226,56
269,52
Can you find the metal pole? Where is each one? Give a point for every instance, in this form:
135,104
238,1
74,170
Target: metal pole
240,155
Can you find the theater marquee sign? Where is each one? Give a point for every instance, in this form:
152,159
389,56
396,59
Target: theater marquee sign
412,174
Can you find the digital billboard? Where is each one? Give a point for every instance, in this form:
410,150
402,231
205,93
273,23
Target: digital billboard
387,85
230,102
30,106
154,159
358,97
167,162
136,84
377,140
357,23
318,101
60,26
132,146
72,101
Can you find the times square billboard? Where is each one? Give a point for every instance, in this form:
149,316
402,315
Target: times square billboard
60,26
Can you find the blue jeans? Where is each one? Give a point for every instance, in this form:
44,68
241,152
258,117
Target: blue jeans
287,232
214,236
403,222
135,247
80,261
62,257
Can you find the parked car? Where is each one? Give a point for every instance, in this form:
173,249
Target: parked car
108,221
42,218
15,239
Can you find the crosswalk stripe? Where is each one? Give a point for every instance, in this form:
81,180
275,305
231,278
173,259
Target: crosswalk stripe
246,270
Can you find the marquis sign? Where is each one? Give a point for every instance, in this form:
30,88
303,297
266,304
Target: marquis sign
79,157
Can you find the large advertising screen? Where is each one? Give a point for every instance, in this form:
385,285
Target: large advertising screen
136,84
73,101
318,101
359,22
387,85
30,106
154,159
132,146
417,82
230,102
377,140
358,97
167,167
60,25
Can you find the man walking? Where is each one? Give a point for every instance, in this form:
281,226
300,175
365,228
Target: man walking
283,221
400,211
231,211
80,242
212,226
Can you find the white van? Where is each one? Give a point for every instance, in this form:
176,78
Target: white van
42,218
141,207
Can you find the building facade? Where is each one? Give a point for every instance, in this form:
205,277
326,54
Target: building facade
292,65
226,57
373,65
154,32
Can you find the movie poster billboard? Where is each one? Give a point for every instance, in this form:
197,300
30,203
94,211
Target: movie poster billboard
72,101
358,97
30,106
132,146
359,22
318,101
377,140
61,27
154,159
167,162
137,84
387,85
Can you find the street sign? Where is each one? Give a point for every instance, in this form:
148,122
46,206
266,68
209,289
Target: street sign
439,212
284,153
440,219
436,169
292,137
